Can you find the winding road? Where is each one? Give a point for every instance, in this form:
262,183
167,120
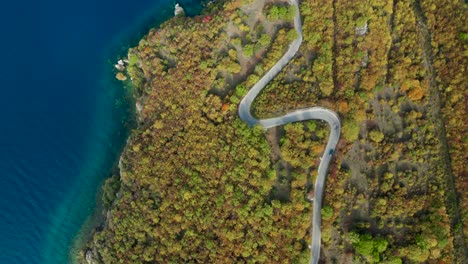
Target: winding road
317,113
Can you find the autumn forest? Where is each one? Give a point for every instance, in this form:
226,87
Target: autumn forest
197,185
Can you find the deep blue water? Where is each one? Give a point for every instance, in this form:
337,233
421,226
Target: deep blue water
63,117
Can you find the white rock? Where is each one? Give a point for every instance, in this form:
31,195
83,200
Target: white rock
119,67
120,163
138,107
89,257
178,10
121,64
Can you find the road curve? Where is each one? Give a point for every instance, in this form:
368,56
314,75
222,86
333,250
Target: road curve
317,113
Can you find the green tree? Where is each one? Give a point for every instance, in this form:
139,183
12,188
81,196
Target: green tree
327,212
350,129
248,50
376,136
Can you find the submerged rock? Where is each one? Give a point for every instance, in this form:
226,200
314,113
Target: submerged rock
178,10
121,77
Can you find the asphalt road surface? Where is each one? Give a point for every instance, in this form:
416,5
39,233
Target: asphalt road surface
317,113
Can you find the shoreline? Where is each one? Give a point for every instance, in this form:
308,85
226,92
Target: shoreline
98,216
80,248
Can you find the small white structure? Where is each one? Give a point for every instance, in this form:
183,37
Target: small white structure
361,31
178,10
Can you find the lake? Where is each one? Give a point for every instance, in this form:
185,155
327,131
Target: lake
64,118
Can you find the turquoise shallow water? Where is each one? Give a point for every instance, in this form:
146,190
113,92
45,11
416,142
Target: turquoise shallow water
64,119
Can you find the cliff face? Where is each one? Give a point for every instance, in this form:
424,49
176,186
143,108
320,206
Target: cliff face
198,185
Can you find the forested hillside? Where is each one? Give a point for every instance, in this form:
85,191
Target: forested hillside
197,185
